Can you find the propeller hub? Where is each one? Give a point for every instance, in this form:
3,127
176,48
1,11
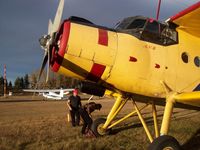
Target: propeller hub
44,41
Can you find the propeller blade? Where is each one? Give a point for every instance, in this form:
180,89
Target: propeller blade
47,41
50,27
45,58
58,16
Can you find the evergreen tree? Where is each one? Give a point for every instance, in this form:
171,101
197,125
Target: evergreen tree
26,81
10,86
17,84
21,83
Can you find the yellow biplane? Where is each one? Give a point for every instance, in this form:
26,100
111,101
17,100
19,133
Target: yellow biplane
141,59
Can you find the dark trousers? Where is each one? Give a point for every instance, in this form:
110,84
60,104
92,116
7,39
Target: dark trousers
87,120
75,117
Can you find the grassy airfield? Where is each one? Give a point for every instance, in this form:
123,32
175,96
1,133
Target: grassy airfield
27,123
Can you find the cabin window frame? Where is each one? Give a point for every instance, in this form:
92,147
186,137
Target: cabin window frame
162,34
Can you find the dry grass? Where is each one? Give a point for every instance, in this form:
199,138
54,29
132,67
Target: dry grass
35,124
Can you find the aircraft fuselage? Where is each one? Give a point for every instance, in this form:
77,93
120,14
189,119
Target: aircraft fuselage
99,54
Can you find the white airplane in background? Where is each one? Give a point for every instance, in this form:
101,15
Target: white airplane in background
56,94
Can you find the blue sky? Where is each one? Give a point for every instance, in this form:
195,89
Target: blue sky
22,22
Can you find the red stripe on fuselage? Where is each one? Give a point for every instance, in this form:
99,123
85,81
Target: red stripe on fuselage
96,72
103,37
63,36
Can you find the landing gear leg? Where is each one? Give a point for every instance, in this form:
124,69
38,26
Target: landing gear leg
166,142
167,115
100,126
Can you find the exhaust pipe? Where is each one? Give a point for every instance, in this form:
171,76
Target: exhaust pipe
92,88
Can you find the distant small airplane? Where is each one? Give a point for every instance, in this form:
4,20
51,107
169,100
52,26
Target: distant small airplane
56,94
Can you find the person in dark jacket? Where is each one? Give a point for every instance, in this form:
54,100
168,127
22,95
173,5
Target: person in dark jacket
74,103
85,112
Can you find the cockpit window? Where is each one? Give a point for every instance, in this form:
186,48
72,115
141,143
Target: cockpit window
123,24
152,26
148,30
137,23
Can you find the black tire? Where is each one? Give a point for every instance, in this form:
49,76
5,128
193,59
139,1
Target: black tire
97,127
164,142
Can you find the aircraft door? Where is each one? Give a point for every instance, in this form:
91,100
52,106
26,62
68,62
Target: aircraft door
171,66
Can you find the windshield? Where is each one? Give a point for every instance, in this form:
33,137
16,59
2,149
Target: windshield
148,30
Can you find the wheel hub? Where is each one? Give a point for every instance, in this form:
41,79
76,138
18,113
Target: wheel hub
101,130
168,148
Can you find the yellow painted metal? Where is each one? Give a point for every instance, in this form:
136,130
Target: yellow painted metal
192,98
123,102
143,122
187,72
126,117
167,115
82,41
154,112
125,74
113,111
112,94
106,73
84,64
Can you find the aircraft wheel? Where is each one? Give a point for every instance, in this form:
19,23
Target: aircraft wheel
97,127
164,142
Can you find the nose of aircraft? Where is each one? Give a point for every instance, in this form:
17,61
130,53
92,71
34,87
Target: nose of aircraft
60,46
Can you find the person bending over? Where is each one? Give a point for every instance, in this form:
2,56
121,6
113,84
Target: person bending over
85,112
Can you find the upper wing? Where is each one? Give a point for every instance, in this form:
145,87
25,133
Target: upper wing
191,98
188,19
47,90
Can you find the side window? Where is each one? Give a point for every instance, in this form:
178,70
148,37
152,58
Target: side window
159,33
169,36
137,23
185,57
122,25
197,61
152,26
151,32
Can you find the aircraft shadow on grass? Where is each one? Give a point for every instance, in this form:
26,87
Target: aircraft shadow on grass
193,143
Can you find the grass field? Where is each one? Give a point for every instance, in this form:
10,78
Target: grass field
36,124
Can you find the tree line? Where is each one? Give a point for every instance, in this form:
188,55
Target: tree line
19,84
29,81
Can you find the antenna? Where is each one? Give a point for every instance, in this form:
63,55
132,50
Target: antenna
158,9
5,81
